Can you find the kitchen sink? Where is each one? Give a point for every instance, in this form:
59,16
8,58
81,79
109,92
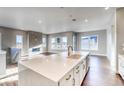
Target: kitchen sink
75,56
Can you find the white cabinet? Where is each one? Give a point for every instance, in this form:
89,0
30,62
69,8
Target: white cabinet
79,72
87,63
2,62
73,77
67,80
82,71
121,66
84,66
0,41
77,75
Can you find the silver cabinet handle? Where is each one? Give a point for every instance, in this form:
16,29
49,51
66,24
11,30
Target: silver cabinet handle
83,66
78,71
77,67
68,77
73,81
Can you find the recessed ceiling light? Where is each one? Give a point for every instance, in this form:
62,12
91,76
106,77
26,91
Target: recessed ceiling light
86,20
73,19
39,21
106,8
61,7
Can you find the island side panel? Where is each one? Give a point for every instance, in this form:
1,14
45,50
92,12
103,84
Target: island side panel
28,77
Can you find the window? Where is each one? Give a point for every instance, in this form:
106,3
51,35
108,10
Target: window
85,43
44,42
94,43
53,43
53,40
64,39
59,43
19,41
89,42
64,43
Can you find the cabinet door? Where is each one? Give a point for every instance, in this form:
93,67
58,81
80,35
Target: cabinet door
121,69
85,66
87,63
77,75
82,71
67,80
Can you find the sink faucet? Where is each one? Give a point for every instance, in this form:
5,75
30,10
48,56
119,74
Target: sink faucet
70,50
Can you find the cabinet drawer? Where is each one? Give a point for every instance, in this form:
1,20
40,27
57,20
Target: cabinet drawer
67,80
77,72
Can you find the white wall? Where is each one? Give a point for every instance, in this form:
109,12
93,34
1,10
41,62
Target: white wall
0,41
111,42
120,32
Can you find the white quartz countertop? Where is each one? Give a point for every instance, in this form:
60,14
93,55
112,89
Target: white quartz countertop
53,67
2,52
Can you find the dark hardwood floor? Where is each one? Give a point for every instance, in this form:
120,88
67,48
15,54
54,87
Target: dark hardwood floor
101,73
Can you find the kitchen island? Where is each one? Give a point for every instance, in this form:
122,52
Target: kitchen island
56,69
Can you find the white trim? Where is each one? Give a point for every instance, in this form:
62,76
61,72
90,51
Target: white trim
88,36
0,41
98,54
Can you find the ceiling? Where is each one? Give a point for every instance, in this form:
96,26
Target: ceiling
56,19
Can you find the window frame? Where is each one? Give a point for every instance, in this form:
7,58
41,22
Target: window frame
18,44
89,36
59,46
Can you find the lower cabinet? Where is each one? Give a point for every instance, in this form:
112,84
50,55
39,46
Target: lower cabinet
82,71
77,72
76,76
121,67
67,80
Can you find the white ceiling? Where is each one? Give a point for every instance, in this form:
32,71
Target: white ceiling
56,19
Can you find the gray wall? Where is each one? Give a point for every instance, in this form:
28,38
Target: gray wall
35,39
102,42
9,39
68,34
120,30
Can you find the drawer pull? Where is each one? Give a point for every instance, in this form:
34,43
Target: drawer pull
77,72
83,66
68,77
77,67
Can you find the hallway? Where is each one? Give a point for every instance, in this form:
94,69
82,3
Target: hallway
101,74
